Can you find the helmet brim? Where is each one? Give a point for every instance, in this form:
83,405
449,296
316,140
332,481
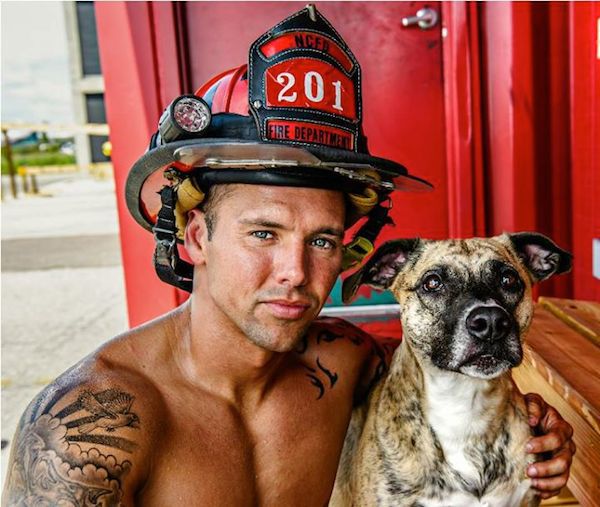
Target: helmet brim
146,177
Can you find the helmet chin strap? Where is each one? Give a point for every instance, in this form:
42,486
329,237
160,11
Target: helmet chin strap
362,243
171,269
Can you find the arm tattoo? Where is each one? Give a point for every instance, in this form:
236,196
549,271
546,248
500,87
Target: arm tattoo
328,336
51,468
351,334
317,382
329,331
331,376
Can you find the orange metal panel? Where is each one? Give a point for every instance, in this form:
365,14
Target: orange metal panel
552,125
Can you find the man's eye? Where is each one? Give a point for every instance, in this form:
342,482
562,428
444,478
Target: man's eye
262,234
323,243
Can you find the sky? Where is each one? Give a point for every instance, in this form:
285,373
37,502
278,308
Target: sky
36,84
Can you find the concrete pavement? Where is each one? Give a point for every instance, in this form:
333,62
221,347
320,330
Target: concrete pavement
62,286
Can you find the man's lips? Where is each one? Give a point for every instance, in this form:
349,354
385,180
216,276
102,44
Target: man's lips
285,309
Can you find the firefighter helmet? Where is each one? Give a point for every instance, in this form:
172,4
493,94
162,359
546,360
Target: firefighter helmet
292,117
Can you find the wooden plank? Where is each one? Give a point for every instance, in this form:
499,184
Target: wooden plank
584,480
583,316
568,361
565,497
572,502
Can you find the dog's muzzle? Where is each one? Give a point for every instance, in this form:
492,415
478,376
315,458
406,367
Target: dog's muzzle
494,342
489,323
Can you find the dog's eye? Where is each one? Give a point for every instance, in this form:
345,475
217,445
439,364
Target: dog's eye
509,280
432,283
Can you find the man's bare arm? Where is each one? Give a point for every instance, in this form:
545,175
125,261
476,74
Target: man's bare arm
77,444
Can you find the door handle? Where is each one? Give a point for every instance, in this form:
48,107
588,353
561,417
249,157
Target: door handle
425,18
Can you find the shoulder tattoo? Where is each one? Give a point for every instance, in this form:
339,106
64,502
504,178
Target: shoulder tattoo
67,457
327,331
314,376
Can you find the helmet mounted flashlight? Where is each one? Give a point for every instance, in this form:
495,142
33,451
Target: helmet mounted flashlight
187,116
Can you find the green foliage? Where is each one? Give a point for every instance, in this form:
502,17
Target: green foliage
51,146
37,158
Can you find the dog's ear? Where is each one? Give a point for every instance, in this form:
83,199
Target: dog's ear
381,269
540,255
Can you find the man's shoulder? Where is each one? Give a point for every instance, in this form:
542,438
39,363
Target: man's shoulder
352,351
336,330
88,434
338,340
126,385
121,368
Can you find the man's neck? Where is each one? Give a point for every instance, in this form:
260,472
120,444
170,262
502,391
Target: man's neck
220,359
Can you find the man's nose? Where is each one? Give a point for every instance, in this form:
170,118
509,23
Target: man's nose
292,265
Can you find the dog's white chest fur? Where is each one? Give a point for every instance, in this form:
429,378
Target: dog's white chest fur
458,411
467,500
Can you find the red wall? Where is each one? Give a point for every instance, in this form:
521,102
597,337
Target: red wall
133,104
584,116
540,127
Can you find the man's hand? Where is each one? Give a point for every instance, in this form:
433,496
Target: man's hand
549,476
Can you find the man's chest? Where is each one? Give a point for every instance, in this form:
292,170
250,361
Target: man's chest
285,454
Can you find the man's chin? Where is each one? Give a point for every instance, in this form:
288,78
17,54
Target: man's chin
283,339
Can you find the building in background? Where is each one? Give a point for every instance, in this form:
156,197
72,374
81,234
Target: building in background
86,80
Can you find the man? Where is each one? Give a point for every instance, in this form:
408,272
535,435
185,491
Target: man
239,396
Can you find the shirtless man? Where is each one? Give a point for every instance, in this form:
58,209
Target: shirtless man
240,396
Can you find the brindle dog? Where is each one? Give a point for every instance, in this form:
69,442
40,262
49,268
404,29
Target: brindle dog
447,427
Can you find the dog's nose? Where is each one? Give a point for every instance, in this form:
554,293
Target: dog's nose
488,323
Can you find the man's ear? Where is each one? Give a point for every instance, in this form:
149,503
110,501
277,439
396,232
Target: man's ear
195,236
540,255
382,268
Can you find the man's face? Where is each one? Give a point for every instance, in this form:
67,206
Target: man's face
273,258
